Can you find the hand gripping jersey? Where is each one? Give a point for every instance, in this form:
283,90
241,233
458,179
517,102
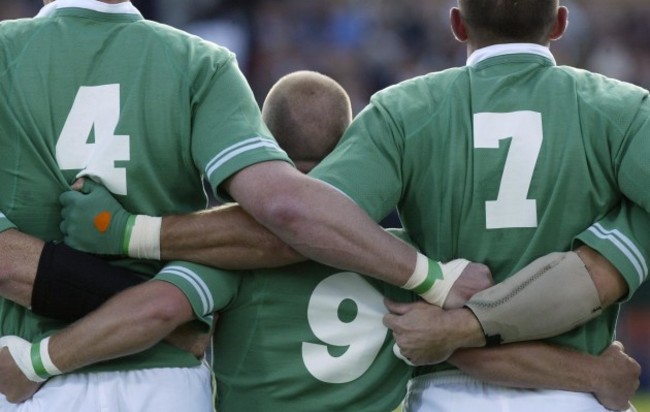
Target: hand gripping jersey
501,161
141,107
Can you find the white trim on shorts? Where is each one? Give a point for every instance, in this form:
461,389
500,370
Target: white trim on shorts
143,390
454,391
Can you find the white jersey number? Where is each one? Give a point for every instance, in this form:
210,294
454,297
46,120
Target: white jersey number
95,109
363,336
512,208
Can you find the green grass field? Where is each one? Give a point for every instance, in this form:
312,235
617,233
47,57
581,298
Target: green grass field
642,402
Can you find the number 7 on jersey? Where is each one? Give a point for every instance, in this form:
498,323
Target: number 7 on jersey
512,208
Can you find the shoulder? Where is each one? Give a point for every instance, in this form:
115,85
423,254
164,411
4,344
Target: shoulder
181,43
427,84
19,29
414,104
15,36
604,93
424,92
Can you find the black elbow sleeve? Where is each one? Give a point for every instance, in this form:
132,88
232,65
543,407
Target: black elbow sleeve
70,284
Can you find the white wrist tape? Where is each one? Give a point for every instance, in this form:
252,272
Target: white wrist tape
32,359
398,354
419,274
450,273
48,365
144,242
433,280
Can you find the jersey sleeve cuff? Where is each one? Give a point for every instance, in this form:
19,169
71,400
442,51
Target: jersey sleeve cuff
250,152
5,223
189,279
620,252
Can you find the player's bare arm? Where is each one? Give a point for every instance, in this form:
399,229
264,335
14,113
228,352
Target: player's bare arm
20,256
224,236
250,246
613,377
130,322
321,223
428,335
325,226
20,266
54,280
14,385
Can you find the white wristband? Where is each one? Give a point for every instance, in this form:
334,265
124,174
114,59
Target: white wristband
32,359
144,242
20,350
433,280
419,274
48,365
450,273
398,354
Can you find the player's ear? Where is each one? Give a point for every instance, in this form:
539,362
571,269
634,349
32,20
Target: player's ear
458,27
561,23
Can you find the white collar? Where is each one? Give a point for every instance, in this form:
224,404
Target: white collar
119,8
510,48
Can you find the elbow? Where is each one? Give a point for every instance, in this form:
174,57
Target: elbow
283,213
167,310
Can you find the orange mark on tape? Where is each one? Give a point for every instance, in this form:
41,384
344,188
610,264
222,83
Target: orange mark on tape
102,221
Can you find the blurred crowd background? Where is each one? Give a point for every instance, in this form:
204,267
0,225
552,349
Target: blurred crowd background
367,45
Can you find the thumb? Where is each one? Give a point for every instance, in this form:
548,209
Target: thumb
78,184
88,185
84,185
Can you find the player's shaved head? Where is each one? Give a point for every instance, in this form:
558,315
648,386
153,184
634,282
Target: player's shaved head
307,112
502,21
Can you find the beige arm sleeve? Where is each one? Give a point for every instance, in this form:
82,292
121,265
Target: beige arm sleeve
550,296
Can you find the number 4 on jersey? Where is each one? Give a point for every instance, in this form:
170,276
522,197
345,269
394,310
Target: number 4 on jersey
88,141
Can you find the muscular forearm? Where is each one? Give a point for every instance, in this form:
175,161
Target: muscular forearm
612,377
610,284
130,322
225,237
19,257
320,223
529,365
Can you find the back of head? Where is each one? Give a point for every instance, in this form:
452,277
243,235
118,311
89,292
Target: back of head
509,21
307,112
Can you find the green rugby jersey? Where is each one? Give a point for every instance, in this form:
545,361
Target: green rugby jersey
298,338
5,223
501,161
624,239
145,109
308,337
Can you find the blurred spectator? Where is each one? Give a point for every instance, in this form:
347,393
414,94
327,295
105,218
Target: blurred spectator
367,45
11,9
